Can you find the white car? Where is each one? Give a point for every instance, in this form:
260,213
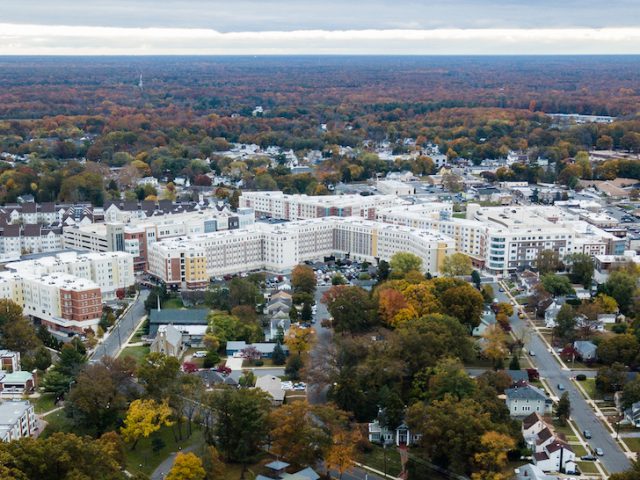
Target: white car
200,354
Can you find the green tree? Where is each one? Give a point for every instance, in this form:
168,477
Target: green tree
457,264
611,378
476,279
450,378
352,309
515,362
621,286
581,269
403,262
243,292
158,373
242,422
631,393
306,315
565,322
548,261
622,348
383,270
213,465
556,284
563,409
278,357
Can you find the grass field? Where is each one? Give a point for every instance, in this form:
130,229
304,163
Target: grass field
633,444
137,352
172,303
44,403
588,467
143,459
376,459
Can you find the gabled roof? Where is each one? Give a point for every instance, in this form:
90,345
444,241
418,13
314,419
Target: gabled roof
557,445
531,420
544,435
525,392
179,317
277,465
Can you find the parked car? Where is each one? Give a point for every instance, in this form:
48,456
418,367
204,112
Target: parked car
589,458
586,434
599,451
560,387
532,353
200,354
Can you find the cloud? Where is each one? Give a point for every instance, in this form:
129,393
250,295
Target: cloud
16,39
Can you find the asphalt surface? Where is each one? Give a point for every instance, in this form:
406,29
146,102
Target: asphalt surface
614,460
119,335
317,394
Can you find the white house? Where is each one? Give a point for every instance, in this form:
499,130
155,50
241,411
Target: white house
400,436
524,399
550,314
557,456
273,386
532,472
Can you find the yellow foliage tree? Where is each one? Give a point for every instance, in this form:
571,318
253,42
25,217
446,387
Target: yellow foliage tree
390,302
299,339
457,264
143,418
492,457
495,346
606,304
343,451
187,466
422,298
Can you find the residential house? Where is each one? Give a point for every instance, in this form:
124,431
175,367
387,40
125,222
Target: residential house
529,281
265,349
168,341
273,386
524,399
9,361
191,323
532,472
378,433
488,318
551,313
518,376
211,378
277,324
557,456
17,420
532,425
585,350
632,415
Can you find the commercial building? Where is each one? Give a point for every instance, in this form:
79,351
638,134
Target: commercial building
137,234
302,207
17,420
190,262
65,292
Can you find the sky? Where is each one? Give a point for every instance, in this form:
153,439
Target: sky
256,27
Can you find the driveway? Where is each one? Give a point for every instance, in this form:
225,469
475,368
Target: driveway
117,338
582,414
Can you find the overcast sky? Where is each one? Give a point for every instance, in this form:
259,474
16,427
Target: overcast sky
327,26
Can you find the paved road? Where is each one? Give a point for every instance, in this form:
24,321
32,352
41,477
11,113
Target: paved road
318,394
112,345
583,415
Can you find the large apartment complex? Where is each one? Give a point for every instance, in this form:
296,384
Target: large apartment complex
138,234
189,262
302,207
503,239
65,292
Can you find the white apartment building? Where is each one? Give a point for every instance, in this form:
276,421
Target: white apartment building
17,420
138,234
503,239
16,240
276,204
65,292
282,246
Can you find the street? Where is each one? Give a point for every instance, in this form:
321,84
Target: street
582,414
318,394
120,333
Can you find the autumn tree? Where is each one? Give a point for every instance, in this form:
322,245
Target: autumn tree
303,279
403,262
463,302
456,265
214,467
622,349
492,457
145,417
299,339
187,466
343,452
390,303
158,373
495,345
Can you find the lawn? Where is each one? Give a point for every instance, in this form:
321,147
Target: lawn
579,450
459,215
376,459
137,353
589,386
172,303
588,467
144,459
633,443
44,403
